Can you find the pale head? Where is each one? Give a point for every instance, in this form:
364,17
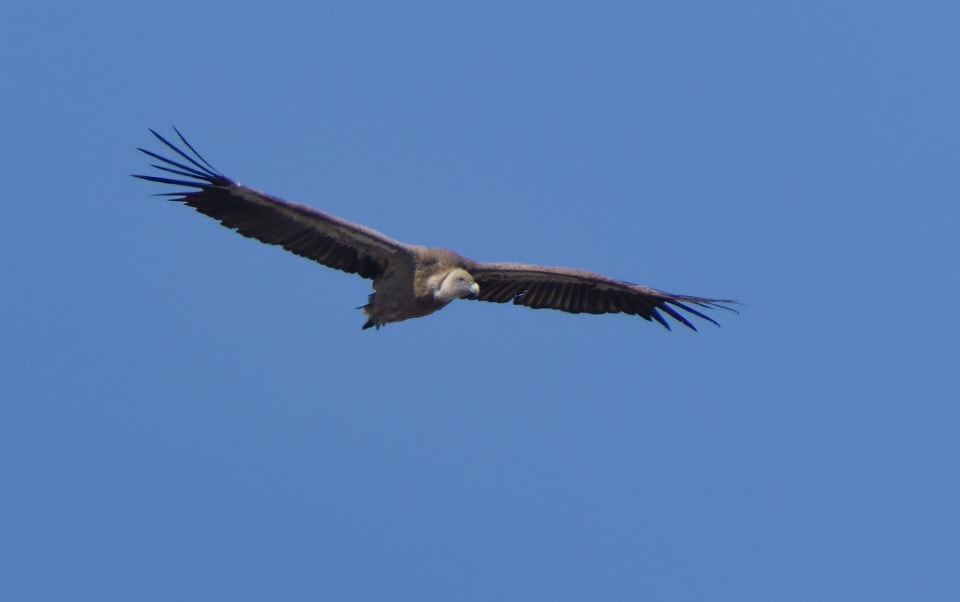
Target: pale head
458,284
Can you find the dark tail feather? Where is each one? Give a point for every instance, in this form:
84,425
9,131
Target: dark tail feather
371,322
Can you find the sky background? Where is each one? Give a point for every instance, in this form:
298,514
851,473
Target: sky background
186,414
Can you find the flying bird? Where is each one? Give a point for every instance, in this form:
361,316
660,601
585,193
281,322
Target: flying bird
409,281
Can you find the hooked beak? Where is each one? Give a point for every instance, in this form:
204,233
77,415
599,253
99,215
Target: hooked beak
474,291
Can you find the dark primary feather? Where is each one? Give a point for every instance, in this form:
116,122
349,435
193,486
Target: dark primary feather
299,229
579,291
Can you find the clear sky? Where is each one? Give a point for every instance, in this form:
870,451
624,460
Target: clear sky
186,414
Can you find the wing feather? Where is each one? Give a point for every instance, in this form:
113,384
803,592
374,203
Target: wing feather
580,291
300,229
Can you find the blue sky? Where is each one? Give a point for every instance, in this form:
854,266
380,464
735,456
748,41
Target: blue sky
190,415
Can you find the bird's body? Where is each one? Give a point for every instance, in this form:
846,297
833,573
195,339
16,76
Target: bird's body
409,281
412,286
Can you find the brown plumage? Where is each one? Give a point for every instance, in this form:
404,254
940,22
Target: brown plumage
409,281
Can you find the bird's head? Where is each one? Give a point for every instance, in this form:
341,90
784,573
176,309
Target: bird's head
458,284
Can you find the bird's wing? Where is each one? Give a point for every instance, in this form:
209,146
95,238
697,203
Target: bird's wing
579,291
300,229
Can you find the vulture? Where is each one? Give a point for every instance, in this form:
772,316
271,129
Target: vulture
409,281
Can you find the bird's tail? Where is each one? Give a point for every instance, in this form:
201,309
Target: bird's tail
367,309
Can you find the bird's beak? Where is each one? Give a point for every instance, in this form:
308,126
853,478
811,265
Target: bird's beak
474,291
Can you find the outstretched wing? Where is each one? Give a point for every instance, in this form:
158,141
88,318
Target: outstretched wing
325,238
579,291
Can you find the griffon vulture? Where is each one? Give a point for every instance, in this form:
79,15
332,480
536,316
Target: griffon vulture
409,281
